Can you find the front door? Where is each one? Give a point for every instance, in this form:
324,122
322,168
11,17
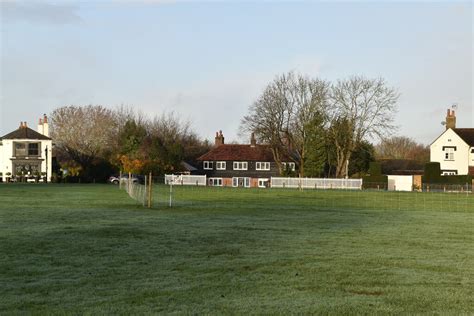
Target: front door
241,182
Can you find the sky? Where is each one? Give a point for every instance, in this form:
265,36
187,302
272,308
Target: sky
209,61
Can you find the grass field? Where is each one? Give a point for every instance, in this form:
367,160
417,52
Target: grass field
91,249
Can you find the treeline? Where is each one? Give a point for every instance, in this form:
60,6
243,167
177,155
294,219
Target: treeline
326,128
92,142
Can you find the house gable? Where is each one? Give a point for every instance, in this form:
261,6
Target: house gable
451,151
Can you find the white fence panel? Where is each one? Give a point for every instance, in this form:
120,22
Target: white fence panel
185,179
316,183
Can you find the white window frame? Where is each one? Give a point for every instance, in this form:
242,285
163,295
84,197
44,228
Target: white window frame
220,165
449,173
262,182
208,165
215,182
292,165
235,182
240,165
262,166
449,154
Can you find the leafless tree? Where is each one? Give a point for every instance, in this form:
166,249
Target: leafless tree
84,132
401,147
281,114
367,107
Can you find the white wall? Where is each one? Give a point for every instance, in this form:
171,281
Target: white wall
6,153
471,156
400,183
461,155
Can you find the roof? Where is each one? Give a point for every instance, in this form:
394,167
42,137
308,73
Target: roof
467,135
401,167
188,167
239,152
25,133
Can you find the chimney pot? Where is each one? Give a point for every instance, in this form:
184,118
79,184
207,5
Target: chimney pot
451,119
253,141
219,140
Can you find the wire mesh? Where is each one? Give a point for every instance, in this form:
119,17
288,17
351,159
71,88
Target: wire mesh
181,196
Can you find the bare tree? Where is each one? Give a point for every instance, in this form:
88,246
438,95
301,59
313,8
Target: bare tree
367,107
282,115
401,147
84,132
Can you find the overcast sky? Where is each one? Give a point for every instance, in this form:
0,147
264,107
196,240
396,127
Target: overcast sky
209,61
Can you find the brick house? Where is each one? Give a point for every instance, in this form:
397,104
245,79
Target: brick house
239,165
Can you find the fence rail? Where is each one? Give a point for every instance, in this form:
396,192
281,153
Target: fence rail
316,183
185,180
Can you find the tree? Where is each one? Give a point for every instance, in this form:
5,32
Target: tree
401,147
287,116
362,156
367,107
86,135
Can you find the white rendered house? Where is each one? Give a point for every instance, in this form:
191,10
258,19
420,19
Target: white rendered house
454,149
26,151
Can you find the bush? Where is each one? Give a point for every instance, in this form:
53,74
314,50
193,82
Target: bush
433,176
432,170
375,182
375,169
460,179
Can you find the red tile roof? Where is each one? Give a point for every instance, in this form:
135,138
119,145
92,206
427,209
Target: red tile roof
239,153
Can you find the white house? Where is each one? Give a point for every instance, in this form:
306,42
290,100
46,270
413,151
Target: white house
454,148
26,151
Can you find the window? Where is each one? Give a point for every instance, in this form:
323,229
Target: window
220,165
472,150
449,173
208,165
263,183
241,182
215,182
19,149
262,166
291,166
240,165
449,153
33,149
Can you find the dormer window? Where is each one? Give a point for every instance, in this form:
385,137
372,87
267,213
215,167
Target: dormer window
291,166
220,165
262,166
240,165
208,165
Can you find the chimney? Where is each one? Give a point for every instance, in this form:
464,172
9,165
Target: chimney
253,141
40,126
45,126
450,119
219,140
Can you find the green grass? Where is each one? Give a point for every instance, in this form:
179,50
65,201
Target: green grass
91,249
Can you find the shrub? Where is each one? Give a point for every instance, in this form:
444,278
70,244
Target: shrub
375,169
432,170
